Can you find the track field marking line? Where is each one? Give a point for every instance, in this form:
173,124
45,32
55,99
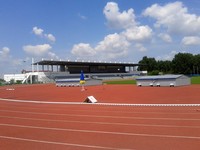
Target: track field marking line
101,123
101,132
106,104
61,143
193,111
95,116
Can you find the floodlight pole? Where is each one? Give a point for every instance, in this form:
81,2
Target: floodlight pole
32,64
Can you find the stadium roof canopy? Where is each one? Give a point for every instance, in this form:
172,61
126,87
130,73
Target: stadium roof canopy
83,63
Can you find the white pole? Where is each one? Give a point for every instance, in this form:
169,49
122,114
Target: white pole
32,65
37,67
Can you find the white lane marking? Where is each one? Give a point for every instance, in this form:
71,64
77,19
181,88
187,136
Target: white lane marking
193,110
101,123
102,132
60,143
106,104
95,116
40,102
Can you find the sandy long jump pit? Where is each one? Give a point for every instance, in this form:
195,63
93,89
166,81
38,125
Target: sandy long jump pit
105,94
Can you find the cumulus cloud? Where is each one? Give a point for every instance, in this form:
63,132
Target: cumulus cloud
116,45
169,56
113,42
113,46
140,47
39,32
52,55
138,33
37,50
50,37
83,49
7,60
191,40
4,53
165,37
174,17
117,19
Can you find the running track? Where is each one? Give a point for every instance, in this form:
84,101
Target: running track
30,125
74,126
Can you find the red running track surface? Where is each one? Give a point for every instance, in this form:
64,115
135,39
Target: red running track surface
59,127
106,94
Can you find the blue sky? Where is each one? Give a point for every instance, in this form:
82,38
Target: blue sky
100,30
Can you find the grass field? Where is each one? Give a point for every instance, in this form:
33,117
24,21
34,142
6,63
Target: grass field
129,81
195,80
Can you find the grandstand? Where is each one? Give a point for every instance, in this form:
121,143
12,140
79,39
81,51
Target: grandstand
50,71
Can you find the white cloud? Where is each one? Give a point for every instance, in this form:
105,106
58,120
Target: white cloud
191,40
117,19
82,16
38,31
7,60
4,53
138,33
175,18
169,56
113,46
117,45
165,37
37,50
82,50
52,55
140,47
113,42
50,37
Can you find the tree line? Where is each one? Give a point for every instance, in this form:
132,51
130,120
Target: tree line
182,63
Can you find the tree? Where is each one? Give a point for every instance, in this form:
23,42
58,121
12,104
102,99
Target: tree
196,65
2,81
164,66
148,64
183,63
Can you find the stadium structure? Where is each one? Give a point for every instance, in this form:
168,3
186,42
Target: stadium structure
64,72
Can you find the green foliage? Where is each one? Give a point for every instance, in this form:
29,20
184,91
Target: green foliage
164,66
195,80
120,82
148,64
12,81
154,72
182,63
18,82
2,81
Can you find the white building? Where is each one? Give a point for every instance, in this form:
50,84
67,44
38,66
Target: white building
163,80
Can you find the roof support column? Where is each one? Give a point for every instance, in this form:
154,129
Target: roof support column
52,68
